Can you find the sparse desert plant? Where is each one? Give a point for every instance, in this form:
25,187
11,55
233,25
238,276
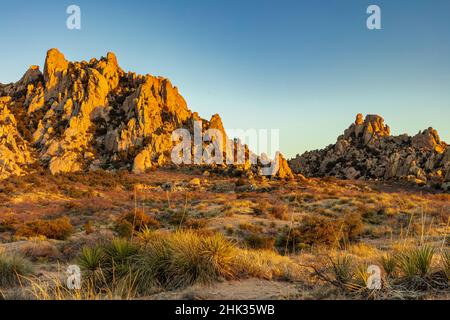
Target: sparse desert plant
316,230
446,263
389,263
257,241
88,227
59,229
342,268
120,249
262,208
91,259
12,268
416,261
360,277
352,226
265,264
280,212
152,262
195,224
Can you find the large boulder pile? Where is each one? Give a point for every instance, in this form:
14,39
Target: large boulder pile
367,150
78,116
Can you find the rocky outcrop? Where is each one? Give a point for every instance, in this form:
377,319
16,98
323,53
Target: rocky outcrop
366,150
92,115
14,152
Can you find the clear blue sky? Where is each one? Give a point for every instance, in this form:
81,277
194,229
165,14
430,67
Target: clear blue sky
305,67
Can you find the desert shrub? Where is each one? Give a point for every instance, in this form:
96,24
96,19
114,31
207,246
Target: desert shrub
262,209
88,227
59,229
195,224
280,212
12,267
124,229
76,193
257,241
321,231
131,222
180,259
245,226
290,240
316,230
374,216
352,226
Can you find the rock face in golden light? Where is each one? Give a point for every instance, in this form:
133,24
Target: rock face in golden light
367,150
78,116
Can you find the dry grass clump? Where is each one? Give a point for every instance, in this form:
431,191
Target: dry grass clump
12,267
446,263
59,229
266,264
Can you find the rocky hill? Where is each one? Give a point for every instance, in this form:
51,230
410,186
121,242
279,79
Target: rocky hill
367,150
92,115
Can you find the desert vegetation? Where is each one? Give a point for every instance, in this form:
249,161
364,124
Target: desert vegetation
160,235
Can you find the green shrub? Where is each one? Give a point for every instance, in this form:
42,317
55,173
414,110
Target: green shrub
91,259
417,261
389,263
342,267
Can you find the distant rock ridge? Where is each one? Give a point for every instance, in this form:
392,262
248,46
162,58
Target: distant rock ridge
367,150
78,116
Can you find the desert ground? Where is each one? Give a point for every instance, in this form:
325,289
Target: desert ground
196,233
